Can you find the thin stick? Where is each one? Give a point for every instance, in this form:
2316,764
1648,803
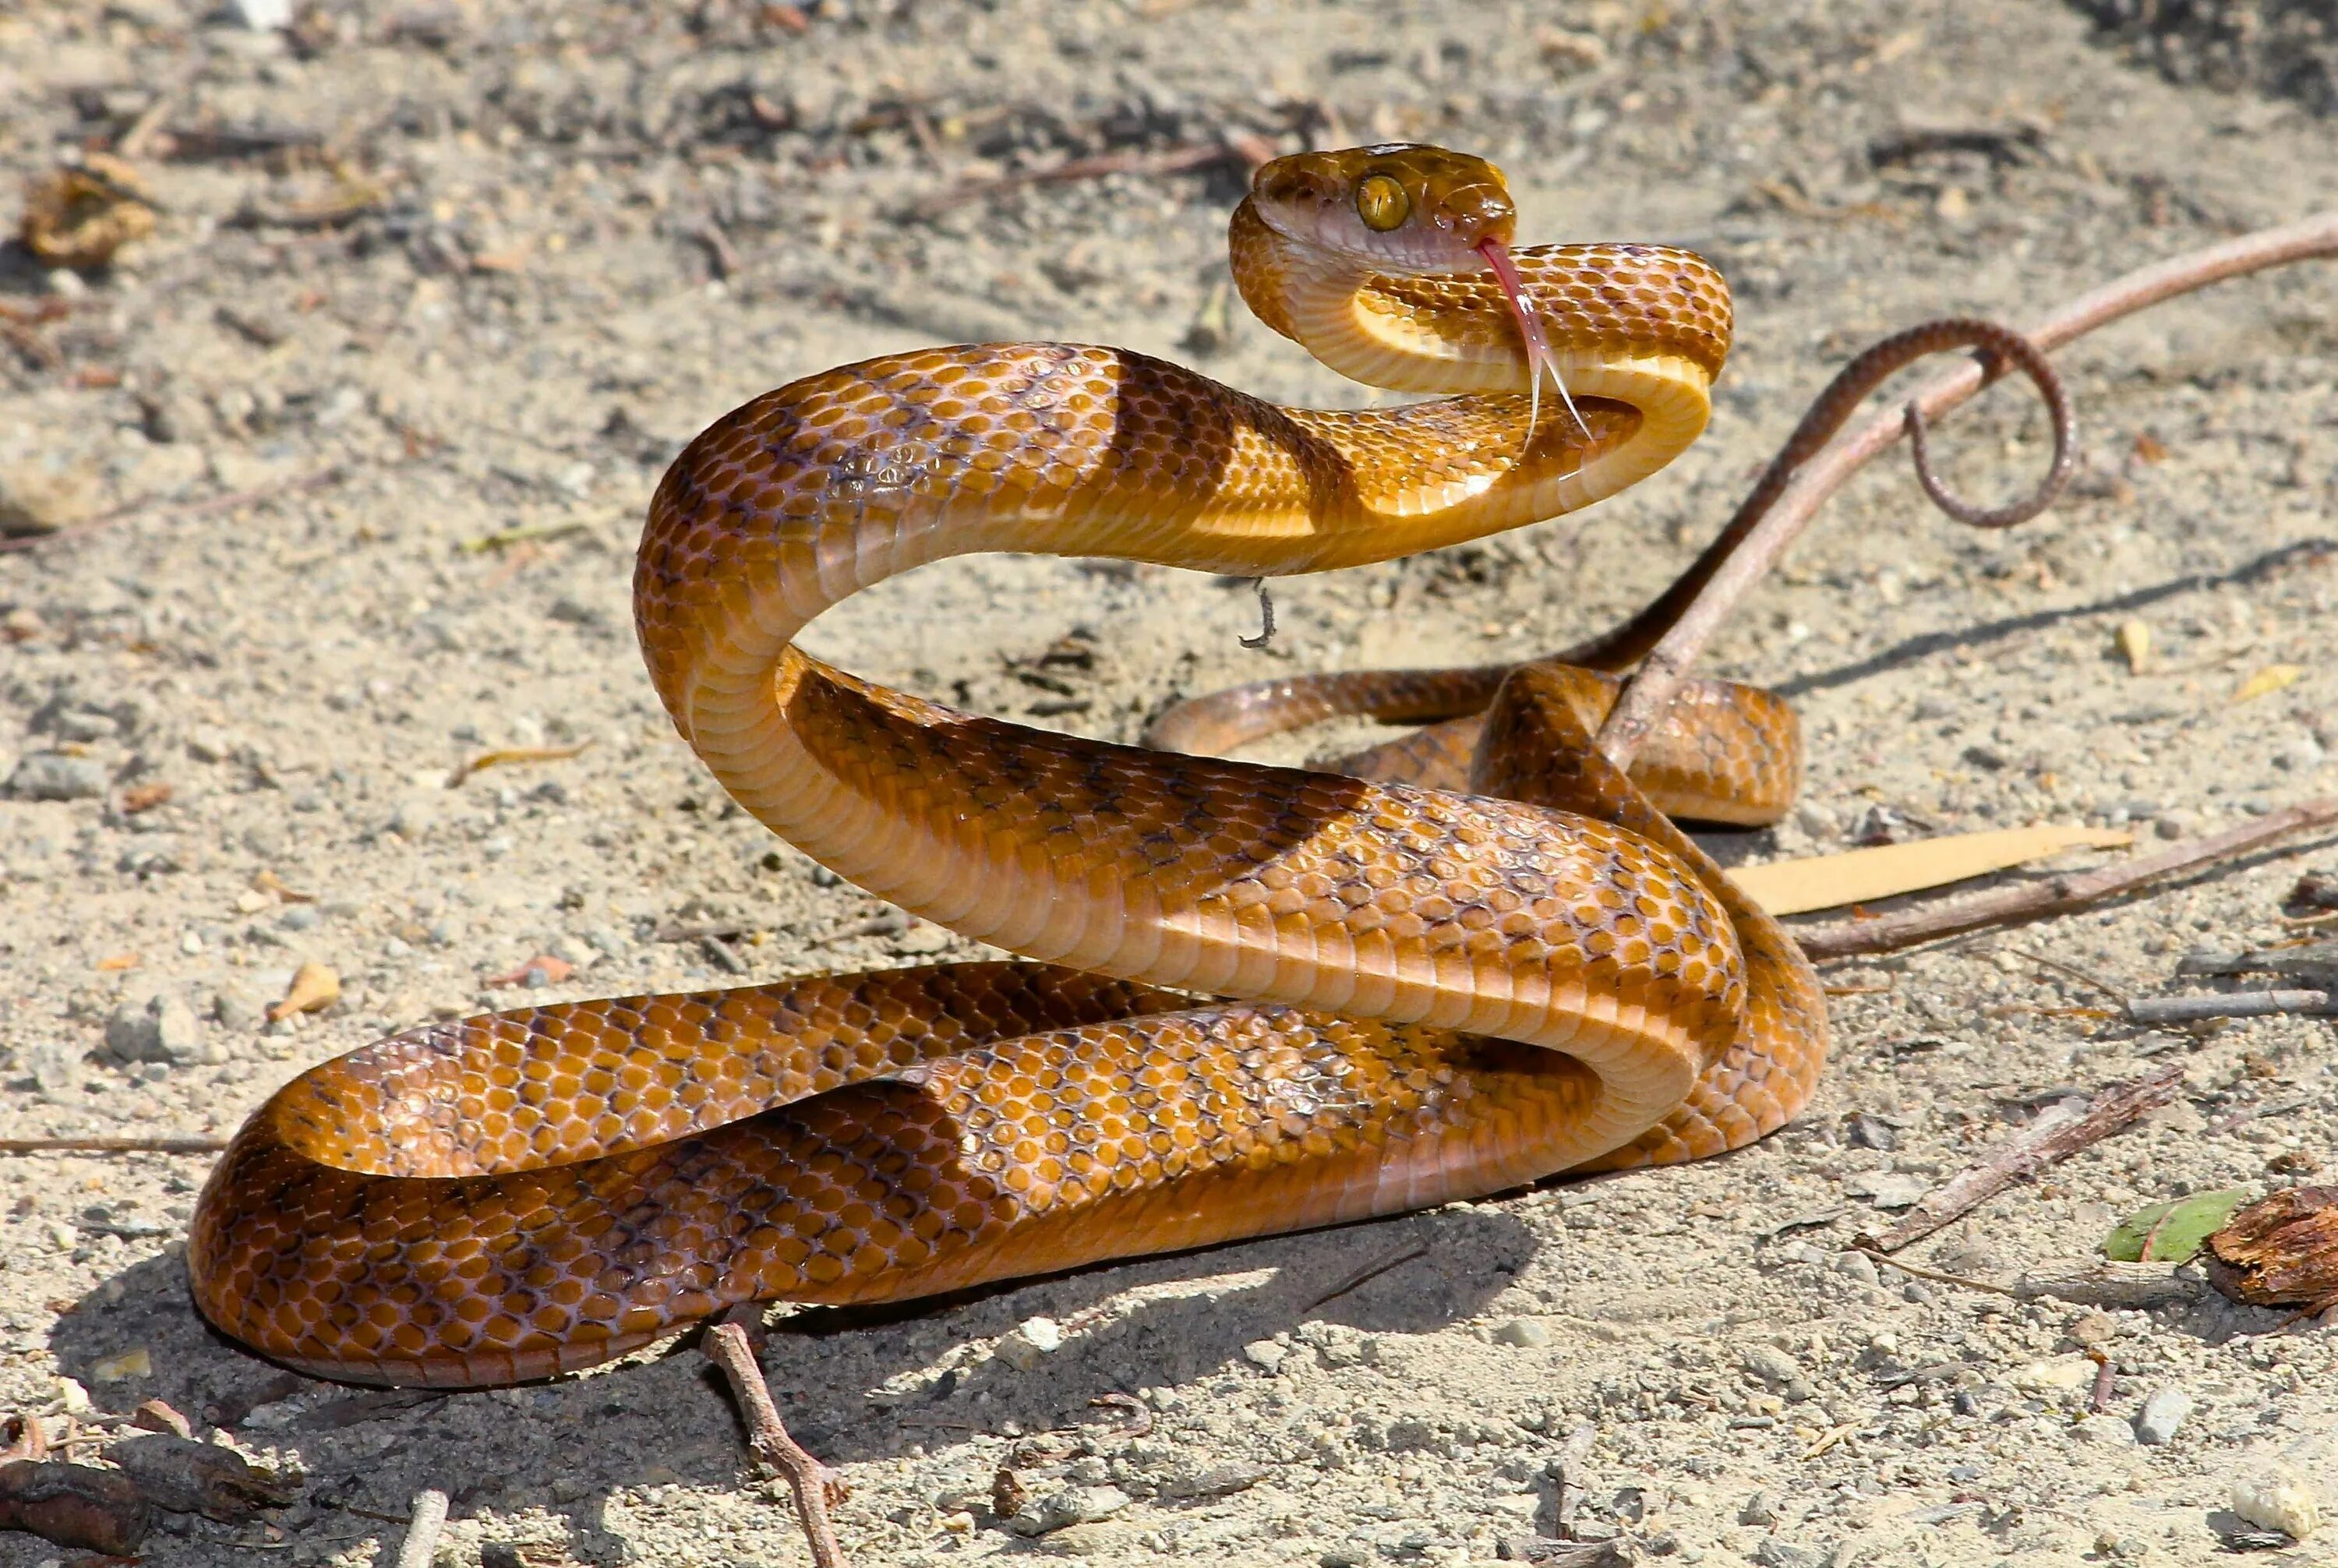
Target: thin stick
815,1486
1366,1275
1961,1281
320,480
1175,161
189,1143
2024,1157
2158,1010
1650,692
421,1543
2057,894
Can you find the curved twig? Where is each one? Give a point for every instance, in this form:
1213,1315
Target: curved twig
1750,558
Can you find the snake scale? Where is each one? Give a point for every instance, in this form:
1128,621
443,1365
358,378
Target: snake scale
1255,998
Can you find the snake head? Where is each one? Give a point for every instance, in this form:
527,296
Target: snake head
1398,207
1404,207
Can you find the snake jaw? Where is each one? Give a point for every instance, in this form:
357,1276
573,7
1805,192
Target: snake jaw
1540,357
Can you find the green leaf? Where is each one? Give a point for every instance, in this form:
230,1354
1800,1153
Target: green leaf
2171,1232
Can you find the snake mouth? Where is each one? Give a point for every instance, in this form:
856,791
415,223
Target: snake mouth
1539,356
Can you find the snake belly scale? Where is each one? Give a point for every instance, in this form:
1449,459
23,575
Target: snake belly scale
1256,999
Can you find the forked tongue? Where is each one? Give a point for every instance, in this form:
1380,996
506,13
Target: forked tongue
1540,357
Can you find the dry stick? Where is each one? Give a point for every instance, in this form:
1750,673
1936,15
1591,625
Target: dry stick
320,480
1651,690
2056,895
2154,1011
421,1543
2022,1158
812,1482
1175,161
191,1144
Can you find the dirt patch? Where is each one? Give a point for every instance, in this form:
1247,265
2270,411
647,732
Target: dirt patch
435,292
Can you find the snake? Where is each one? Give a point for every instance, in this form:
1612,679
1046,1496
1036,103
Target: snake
1246,999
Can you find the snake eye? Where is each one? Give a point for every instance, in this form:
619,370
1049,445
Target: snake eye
1381,203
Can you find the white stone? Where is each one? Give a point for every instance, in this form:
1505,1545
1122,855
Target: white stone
261,15
2108,1431
1526,1333
2054,1375
1031,1341
2162,1413
2274,1496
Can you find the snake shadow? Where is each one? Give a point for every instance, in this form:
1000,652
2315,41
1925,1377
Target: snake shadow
868,1379
2271,563
853,1384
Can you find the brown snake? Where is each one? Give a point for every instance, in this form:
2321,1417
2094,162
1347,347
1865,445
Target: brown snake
1261,998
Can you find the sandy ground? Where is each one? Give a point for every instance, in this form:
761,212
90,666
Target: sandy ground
597,229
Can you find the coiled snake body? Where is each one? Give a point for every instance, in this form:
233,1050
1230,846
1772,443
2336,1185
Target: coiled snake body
1260,998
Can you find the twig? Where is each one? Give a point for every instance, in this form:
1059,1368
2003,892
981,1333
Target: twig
2022,1158
2105,1379
1726,580
2056,895
189,1143
523,535
721,253
428,1518
2158,1010
1961,1281
181,510
513,755
1366,1275
1175,161
815,1486
1265,616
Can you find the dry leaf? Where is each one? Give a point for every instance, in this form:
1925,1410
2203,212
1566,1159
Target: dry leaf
265,881
505,756
1825,881
555,971
80,217
2135,646
315,987
2266,682
145,798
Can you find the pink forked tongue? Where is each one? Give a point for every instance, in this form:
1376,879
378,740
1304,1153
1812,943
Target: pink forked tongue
1540,357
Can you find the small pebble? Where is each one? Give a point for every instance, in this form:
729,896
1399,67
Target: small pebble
53,776
2094,1329
1072,1505
2277,1496
2055,1374
1032,1340
2108,1431
1526,1333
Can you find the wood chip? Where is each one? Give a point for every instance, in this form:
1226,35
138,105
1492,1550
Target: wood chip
2280,1251
2266,682
554,970
1859,876
509,756
315,987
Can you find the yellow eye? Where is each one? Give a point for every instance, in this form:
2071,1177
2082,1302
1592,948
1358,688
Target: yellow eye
1381,203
